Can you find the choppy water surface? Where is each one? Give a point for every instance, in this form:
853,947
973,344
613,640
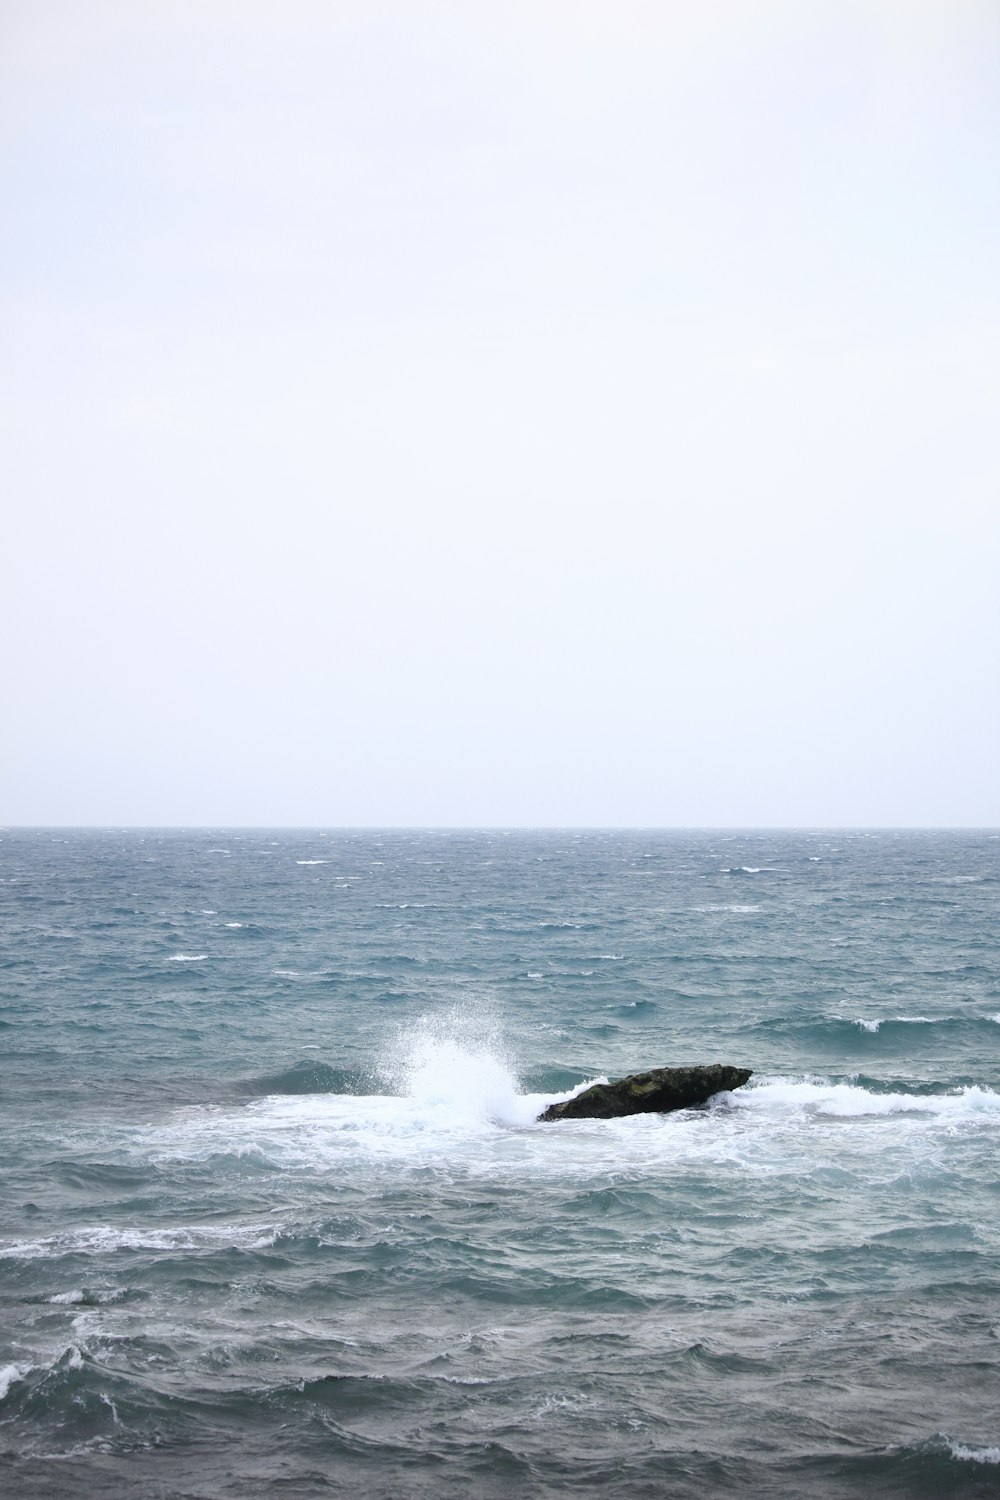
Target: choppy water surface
278,1219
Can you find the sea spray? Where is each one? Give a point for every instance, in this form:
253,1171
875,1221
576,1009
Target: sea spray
457,1067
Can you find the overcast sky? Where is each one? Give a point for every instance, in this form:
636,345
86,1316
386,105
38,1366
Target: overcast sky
524,414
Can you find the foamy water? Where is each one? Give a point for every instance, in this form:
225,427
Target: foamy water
279,1214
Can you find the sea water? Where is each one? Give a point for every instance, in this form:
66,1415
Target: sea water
278,1217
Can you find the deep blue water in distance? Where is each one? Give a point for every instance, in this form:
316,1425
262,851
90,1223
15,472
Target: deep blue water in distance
277,1217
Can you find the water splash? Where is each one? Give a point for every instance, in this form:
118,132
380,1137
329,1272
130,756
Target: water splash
457,1066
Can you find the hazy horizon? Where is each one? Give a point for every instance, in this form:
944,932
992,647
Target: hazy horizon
417,416
445,828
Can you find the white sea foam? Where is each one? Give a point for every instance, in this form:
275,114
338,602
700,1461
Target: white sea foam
69,1359
312,861
105,1239
847,1100
874,1024
974,1455
67,1298
9,1374
233,924
453,1102
113,1409
456,1097
726,906
186,958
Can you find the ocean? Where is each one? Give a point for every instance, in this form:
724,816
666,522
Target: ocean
278,1217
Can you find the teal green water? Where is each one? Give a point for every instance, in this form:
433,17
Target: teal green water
278,1217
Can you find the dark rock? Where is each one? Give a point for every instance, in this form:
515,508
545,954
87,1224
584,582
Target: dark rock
659,1090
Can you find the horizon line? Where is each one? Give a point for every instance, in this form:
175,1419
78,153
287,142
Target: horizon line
500,827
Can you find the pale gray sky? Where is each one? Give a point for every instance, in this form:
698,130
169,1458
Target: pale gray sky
546,413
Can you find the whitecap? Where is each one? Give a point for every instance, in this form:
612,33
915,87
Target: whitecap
105,1239
816,1097
72,1359
9,1374
186,958
900,1021
234,924
113,1408
67,1298
974,1455
741,910
312,861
